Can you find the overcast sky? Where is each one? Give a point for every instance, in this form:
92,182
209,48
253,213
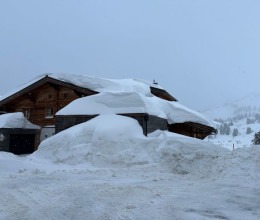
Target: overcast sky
204,52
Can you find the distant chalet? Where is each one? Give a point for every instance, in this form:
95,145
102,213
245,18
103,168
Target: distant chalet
43,97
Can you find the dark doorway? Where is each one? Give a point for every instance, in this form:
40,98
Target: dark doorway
22,143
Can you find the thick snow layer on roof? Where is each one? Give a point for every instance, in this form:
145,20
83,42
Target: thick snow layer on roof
16,120
132,102
105,85
94,83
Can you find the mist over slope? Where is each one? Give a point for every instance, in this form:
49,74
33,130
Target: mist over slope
245,107
238,122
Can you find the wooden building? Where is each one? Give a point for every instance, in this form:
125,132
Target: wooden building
40,99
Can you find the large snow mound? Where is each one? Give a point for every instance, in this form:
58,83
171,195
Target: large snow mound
133,102
16,120
118,141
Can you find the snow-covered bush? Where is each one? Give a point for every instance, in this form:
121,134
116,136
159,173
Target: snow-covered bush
224,129
248,130
256,140
235,132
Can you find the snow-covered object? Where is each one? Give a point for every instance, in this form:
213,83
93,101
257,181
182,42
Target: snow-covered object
133,102
16,120
94,83
118,141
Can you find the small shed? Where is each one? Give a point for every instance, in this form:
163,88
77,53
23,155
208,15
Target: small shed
17,134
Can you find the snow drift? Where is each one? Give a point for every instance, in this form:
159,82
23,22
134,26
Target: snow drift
117,141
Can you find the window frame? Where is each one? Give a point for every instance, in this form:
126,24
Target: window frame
49,112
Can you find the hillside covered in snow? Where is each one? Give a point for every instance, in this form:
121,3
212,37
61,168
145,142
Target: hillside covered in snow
247,106
238,122
95,171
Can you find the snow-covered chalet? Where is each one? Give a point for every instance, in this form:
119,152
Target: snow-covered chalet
59,101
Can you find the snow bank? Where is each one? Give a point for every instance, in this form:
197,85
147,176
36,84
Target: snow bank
243,163
118,141
16,120
133,102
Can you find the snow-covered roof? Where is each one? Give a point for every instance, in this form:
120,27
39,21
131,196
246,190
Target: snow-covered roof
133,102
93,83
16,120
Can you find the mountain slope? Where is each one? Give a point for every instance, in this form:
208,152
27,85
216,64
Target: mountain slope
248,105
243,115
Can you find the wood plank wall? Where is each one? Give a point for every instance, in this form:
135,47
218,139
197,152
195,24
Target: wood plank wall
40,100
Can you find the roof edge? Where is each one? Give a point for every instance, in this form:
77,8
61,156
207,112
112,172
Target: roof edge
40,82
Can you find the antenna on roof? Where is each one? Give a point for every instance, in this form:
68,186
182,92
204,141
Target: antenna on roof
154,82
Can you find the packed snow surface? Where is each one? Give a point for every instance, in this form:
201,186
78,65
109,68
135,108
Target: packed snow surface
107,169
16,120
133,102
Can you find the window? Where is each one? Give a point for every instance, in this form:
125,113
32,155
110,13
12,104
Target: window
49,113
66,95
27,113
50,97
2,137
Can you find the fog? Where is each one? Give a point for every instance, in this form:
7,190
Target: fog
203,52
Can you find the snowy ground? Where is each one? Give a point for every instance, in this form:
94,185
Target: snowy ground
92,172
242,140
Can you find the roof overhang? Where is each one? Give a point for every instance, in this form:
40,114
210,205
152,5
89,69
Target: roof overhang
161,93
201,127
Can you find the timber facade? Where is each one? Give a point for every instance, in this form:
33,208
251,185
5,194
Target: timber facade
40,101
192,129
